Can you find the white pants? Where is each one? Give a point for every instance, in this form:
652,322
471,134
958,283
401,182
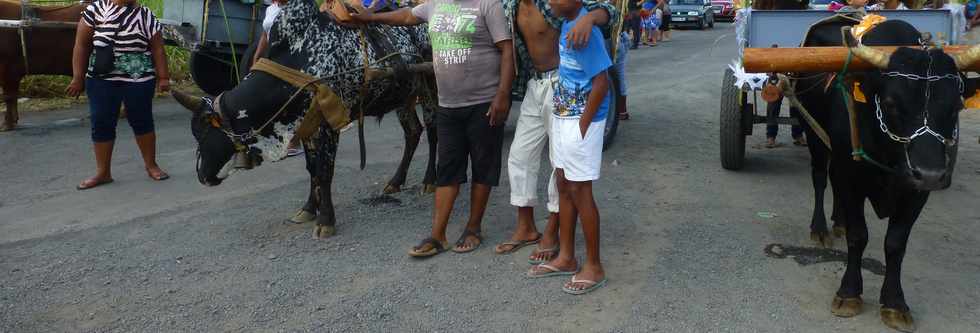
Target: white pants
530,139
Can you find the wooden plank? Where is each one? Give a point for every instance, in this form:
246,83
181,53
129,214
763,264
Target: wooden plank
816,59
14,24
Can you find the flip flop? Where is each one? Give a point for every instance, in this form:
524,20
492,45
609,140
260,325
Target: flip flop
160,176
462,241
82,186
516,245
436,247
552,271
593,285
553,250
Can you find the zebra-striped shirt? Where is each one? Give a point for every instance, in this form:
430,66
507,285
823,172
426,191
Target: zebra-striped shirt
131,43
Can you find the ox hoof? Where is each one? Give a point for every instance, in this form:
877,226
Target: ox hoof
392,189
840,232
323,231
428,189
898,320
822,238
846,307
301,217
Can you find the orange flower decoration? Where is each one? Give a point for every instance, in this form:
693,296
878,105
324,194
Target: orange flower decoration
869,22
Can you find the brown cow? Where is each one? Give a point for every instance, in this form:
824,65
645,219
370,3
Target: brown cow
48,50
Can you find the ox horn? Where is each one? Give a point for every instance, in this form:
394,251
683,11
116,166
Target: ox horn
191,102
874,57
966,58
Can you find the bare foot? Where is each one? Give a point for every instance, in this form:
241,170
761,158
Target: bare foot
156,173
590,276
93,182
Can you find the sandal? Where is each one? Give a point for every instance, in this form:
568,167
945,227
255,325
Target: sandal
625,115
91,183
462,241
590,286
158,176
538,251
516,245
545,270
435,247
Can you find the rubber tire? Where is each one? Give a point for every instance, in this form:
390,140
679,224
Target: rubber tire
711,24
732,136
211,75
612,119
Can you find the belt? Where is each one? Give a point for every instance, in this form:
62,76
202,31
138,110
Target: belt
538,75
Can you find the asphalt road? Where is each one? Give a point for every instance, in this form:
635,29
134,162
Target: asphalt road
683,240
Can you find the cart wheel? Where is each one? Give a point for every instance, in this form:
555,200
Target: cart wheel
212,75
612,119
732,135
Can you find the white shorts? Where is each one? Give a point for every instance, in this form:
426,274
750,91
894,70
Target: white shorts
580,158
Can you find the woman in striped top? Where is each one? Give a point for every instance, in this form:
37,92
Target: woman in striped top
140,67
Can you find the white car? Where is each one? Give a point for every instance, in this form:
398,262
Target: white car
820,4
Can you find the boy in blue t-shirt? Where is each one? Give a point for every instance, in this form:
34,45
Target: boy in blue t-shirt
581,104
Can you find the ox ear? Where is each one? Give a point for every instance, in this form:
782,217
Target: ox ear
192,103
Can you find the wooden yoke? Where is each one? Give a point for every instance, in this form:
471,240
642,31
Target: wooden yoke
819,59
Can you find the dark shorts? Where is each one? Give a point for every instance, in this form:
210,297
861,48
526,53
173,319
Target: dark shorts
665,22
464,136
106,97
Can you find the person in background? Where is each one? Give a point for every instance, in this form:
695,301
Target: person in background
581,103
635,22
664,6
971,13
473,59
619,69
651,24
140,68
772,127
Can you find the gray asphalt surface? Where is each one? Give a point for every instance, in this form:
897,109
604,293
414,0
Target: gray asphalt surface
683,240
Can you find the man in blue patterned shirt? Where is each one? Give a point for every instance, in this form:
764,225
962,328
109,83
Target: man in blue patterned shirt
536,30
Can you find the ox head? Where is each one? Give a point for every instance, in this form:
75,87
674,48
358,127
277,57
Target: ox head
916,97
214,148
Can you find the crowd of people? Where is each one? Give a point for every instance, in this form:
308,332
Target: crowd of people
551,54
648,22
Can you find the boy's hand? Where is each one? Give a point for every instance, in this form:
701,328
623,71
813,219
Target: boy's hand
499,109
580,33
583,126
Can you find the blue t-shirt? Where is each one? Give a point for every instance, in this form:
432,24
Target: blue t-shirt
576,71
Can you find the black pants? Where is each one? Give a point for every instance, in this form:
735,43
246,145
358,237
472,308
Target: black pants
772,112
637,28
465,136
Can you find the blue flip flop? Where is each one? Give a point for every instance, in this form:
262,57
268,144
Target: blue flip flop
593,285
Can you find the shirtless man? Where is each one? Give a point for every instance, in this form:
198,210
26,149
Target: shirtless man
536,31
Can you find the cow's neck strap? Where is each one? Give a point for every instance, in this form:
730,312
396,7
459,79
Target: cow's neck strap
326,105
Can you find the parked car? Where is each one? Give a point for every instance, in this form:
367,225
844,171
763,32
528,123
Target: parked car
696,13
820,4
723,9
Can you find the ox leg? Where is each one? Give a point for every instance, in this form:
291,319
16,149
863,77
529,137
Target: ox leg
847,302
326,147
428,114
308,212
895,312
840,228
11,91
818,172
413,133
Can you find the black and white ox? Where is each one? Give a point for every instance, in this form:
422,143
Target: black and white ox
307,40
909,125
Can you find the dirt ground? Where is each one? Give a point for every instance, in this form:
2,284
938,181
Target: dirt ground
684,241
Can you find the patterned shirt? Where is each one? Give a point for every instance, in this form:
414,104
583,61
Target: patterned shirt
129,35
525,67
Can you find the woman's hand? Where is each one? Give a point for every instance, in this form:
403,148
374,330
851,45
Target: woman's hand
76,87
163,85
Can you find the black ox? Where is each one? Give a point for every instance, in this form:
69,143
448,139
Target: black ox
908,125
305,39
